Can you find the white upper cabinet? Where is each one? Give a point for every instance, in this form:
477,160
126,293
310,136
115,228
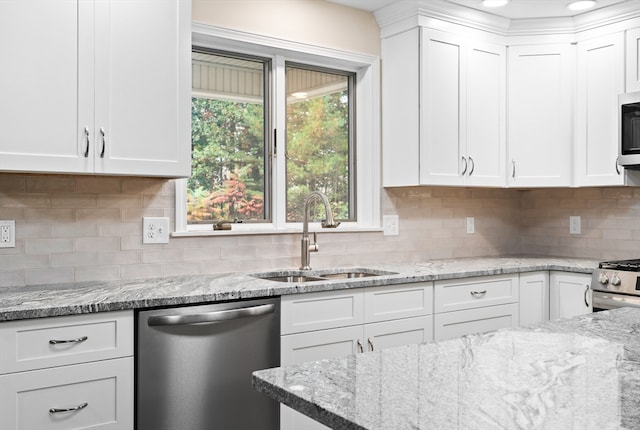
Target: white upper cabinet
600,66
540,115
443,110
633,60
95,87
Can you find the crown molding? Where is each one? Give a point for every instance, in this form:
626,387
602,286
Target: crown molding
414,10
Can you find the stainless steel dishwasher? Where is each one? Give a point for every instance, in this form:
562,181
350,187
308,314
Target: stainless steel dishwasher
194,366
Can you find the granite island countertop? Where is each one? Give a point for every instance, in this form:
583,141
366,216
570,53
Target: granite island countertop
578,373
37,301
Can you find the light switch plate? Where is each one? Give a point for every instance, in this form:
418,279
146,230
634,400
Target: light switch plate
471,225
391,225
574,225
155,230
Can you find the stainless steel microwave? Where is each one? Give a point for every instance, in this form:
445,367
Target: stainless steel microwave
629,130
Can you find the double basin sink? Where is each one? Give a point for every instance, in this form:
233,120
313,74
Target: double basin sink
320,275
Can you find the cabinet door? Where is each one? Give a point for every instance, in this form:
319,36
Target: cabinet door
459,323
406,331
400,110
102,392
600,80
442,67
311,346
485,115
534,297
570,294
41,85
540,115
633,60
142,88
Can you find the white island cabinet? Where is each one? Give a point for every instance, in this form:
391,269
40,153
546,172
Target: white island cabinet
337,323
443,111
540,115
67,372
97,87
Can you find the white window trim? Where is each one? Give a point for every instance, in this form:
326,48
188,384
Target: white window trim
367,119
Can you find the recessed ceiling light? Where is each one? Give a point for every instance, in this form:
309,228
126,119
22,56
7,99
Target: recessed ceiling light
581,4
494,3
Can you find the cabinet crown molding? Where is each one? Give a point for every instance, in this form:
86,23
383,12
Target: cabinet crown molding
404,14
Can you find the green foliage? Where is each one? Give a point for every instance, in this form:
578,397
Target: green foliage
228,158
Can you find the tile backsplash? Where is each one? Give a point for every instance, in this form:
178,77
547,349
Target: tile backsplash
84,228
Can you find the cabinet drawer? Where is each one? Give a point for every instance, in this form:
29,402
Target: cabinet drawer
475,292
26,398
454,324
322,310
48,342
389,334
302,347
399,301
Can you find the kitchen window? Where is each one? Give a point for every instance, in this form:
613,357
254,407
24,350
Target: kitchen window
271,122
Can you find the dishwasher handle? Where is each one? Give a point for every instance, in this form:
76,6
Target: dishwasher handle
210,317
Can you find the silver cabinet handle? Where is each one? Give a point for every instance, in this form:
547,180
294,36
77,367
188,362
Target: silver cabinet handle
513,168
75,408
370,344
86,136
586,296
465,166
210,317
473,166
478,293
104,144
77,340
618,171
360,346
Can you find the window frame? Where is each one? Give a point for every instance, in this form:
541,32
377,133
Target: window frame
366,121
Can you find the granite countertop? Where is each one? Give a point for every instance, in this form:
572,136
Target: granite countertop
38,301
578,373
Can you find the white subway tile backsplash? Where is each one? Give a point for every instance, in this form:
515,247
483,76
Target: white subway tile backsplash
76,228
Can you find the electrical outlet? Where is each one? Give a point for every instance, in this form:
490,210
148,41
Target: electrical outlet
155,230
574,225
7,234
391,225
471,225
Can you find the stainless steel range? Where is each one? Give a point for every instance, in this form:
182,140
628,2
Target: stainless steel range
616,284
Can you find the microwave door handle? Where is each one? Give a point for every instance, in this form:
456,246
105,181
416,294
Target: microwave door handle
210,317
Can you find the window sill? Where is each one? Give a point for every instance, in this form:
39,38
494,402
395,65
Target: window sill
264,231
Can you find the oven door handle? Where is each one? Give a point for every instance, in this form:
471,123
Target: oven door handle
608,301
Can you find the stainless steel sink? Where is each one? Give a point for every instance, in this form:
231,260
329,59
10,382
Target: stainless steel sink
292,278
320,275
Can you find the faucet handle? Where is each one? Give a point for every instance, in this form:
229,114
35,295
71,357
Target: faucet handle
313,247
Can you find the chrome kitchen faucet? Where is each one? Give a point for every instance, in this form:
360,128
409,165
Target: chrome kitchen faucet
329,222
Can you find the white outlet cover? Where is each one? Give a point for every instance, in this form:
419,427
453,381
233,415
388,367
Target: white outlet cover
575,225
391,225
155,230
7,234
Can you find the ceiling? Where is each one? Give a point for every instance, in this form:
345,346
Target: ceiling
516,9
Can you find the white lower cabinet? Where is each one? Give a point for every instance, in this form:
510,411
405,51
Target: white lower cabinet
570,294
534,297
67,372
459,323
475,305
332,324
96,395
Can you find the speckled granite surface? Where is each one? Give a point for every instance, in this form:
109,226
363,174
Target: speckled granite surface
580,373
67,299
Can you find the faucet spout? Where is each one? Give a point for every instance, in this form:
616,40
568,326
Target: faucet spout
328,222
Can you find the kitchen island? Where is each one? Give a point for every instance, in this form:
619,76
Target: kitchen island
580,373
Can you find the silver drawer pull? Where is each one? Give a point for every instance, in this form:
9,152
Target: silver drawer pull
59,410
370,344
478,293
360,348
77,340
